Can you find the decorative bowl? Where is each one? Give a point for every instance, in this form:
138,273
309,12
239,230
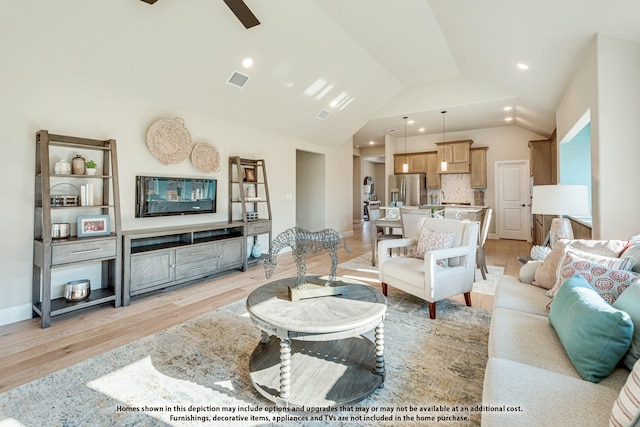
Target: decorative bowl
61,230
77,290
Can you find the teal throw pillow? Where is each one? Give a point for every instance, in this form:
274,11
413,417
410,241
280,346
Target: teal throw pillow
594,334
629,302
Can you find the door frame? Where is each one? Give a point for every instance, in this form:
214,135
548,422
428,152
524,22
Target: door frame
498,199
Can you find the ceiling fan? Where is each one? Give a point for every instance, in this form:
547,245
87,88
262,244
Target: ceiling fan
239,8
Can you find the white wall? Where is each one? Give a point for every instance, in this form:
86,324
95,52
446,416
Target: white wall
607,82
30,103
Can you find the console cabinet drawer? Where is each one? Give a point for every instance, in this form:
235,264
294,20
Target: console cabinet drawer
198,268
200,252
83,251
259,227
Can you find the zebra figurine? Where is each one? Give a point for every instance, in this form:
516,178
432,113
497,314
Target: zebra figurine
304,242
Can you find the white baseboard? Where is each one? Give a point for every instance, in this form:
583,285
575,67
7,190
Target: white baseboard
15,314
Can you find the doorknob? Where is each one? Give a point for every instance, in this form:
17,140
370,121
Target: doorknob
523,205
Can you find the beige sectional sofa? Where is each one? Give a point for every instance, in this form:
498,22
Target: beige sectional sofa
530,379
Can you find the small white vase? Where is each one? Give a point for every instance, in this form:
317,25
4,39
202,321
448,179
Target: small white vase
91,171
62,167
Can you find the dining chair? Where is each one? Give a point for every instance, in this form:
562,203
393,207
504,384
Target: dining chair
481,262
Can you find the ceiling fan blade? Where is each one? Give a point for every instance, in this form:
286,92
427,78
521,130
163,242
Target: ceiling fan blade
150,1
242,11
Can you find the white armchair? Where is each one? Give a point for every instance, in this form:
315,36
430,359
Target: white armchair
424,278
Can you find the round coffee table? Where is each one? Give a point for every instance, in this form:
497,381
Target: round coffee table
321,358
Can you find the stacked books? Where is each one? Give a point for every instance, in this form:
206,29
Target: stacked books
86,195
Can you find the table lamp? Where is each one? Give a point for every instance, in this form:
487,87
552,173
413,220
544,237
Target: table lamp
560,200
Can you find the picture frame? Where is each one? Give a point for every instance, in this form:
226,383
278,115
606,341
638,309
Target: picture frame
250,175
94,225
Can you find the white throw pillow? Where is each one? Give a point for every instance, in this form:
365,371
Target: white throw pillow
528,270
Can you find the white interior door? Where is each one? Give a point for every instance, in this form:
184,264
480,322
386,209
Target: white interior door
513,220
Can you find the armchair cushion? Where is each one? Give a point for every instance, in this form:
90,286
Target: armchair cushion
431,240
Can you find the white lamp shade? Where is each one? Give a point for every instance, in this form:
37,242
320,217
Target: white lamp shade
560,200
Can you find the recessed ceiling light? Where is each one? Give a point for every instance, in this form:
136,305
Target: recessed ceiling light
410,122
508,108
247,62
421,130
508,119
523,66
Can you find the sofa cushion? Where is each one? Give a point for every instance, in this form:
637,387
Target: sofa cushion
629,302
545,275
512,294
626,408
509,383
594,334
530,339
609,276
432,240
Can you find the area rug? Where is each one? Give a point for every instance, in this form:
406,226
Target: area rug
196,373
363,263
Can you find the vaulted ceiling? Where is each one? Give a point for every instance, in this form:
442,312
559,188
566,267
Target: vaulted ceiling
362,63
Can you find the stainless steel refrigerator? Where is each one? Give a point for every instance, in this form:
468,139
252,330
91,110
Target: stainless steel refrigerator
410,189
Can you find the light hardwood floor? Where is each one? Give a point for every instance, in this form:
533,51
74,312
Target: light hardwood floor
28,352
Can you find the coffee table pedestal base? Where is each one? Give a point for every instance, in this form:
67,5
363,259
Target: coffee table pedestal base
323,373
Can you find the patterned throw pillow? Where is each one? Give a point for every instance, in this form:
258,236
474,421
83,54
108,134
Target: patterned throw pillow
609,279
430,240
626,408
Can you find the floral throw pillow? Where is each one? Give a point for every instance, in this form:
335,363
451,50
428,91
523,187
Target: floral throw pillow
431,240
608,282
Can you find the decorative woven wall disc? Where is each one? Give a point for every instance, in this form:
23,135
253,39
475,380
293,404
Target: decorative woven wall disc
169,140
205,157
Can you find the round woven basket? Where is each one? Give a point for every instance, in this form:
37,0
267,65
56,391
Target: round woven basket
169,140
205,157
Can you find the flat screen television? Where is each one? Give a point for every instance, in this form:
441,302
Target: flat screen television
163,196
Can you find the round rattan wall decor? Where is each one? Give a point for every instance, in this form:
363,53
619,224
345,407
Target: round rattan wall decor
205,157
169,140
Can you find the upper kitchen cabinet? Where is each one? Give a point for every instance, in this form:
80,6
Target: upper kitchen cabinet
456,154
417,162
478,166
543,160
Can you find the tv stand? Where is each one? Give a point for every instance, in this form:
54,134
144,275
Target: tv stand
158,258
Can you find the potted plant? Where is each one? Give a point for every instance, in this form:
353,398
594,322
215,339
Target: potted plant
91,167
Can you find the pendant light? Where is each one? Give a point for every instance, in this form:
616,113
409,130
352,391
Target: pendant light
443,163
405,165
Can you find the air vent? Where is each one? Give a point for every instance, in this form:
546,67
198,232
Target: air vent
323,114
238,79
392,130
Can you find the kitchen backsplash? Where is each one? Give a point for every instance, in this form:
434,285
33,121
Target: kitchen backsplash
454,188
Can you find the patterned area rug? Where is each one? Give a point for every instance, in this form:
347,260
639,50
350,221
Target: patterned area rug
363,263
196,373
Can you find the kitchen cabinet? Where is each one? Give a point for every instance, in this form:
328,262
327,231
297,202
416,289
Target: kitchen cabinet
102,247
541,227
543,161
580,229
478,167
433,177
456,154
417,163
